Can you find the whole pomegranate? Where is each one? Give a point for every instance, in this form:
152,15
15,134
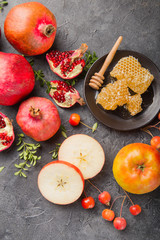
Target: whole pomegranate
38,118
6,132
68,64
30,28
16,78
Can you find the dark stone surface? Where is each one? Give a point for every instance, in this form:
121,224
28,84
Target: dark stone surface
24,213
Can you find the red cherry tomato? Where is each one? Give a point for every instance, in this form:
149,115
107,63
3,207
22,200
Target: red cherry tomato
135,209
74,119
159,115
88,202
119,223
155,142
108,214
104,197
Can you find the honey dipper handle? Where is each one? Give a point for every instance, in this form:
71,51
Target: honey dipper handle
110,56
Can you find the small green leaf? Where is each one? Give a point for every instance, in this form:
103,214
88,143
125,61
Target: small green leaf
64,134
94,127
17,173
20,141
58,144
21,135
20,148
22,164
34,163
23,174
17,166
25,169
28,165
54,156
1,169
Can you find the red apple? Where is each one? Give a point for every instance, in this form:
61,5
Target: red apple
136,168
60,182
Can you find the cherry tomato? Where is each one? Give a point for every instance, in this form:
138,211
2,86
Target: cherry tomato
135,209
119,223
159,115
155,142
74,119
104,197
88,202
108,214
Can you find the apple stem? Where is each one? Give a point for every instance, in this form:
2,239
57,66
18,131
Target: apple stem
94,186
115,200
122,205
128,196
85,125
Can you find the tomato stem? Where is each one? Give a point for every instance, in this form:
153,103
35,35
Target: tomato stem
94,186
122,205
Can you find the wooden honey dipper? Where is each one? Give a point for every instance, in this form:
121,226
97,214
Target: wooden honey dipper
97,80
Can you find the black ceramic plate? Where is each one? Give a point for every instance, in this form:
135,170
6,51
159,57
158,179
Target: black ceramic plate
120,118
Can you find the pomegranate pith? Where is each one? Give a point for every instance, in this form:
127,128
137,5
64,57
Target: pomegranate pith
6,132
64,95
68,64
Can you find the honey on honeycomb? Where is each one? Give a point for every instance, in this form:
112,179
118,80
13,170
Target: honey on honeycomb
134,104
139,78
129,74
113,95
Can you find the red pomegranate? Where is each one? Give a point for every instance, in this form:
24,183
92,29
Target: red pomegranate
16,78
30,28
38,118
68,64
65,95
6,132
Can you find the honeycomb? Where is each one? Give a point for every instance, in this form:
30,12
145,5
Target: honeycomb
113,95
129,74
139,78
134,104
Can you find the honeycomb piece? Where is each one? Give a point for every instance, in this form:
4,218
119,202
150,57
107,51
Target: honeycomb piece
113,95
139,78
134,104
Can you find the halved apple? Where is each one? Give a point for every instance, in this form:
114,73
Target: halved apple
84,152
60,182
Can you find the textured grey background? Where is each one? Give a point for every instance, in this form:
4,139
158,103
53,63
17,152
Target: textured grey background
24,213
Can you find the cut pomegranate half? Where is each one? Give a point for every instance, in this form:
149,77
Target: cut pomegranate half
64,95
68,64
6,132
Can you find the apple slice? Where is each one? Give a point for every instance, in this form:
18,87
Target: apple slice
84,152
60,182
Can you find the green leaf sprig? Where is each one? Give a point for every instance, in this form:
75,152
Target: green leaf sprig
1,169
28,155
55,151
63,131
89,59
2,4
39,76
